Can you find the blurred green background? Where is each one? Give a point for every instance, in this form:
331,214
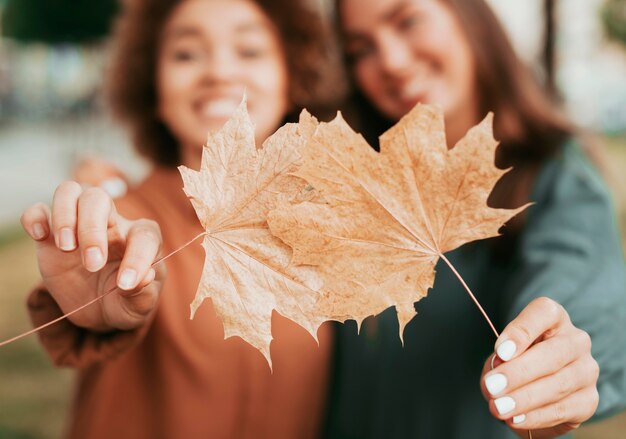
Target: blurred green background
52,58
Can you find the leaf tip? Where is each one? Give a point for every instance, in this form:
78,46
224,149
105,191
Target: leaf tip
316,338
488,120
406,312
359,325
305,116
339,118
268,358
193,307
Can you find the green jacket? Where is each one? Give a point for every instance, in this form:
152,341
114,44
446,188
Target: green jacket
570,250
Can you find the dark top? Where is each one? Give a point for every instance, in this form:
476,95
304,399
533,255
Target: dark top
569,250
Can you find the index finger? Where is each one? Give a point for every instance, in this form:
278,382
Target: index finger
543,317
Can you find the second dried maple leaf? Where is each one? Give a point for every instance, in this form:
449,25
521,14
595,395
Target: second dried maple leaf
390,215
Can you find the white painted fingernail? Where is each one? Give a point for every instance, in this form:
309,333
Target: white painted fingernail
519,419
504,404
495,383
506,350
128,279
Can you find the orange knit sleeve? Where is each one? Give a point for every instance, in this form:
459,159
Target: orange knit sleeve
72,346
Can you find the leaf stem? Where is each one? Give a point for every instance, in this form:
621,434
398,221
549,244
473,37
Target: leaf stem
493,328
92,301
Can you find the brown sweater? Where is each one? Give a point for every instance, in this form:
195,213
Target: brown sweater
179,378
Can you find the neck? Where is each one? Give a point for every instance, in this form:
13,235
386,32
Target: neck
191,157
457,125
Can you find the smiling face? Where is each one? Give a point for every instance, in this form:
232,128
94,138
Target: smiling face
211,52
409,51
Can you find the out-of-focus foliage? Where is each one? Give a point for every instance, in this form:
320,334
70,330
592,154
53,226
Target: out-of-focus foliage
614,19
58,21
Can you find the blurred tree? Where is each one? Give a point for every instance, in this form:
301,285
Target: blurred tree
58,21
614,18
548,52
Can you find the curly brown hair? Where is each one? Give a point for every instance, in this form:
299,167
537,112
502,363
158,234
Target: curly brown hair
314,79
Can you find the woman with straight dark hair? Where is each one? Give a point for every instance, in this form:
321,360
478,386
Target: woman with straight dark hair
554,281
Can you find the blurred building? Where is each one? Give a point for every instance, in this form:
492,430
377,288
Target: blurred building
51,111
590,70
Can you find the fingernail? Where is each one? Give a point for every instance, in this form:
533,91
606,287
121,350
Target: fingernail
506,350
128,279
495,383
115,187
38,231
519,419
67,240
504,404
93,259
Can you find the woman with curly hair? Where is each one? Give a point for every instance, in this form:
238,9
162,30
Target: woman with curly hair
144,369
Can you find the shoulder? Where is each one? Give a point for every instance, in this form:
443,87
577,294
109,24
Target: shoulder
572,207
151,196
569,176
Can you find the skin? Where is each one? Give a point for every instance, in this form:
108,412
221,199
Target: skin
401,57
211,51
409,51
551,377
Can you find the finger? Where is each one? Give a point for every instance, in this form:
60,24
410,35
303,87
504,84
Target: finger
141,304
545,391
490,364
147,280
95,215
116,187
542,317
142,247
64,214
572,410
541,360
35,221
132,309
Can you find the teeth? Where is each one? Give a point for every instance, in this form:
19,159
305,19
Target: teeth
412,89
219,108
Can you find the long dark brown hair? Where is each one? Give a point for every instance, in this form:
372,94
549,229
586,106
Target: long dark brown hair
131,85
529,126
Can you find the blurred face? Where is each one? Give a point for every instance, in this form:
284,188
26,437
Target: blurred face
410,51
211,52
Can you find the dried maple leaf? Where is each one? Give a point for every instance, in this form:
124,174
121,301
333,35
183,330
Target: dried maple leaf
390,215
246,271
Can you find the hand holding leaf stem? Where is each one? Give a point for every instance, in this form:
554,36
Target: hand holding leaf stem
85,248
544,377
